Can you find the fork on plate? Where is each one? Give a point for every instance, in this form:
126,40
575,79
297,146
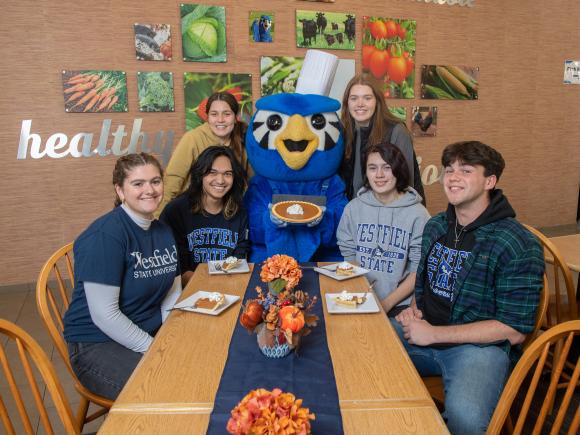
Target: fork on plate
219,268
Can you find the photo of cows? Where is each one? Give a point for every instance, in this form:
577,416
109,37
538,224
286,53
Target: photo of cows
330,30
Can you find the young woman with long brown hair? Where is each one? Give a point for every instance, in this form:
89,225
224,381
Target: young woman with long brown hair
367,121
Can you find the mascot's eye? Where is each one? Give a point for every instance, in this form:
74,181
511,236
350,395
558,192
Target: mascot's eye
318,121
274,122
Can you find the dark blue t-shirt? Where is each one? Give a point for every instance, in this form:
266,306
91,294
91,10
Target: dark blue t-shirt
115,251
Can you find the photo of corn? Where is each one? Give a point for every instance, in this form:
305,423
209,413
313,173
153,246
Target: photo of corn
94,91
449,82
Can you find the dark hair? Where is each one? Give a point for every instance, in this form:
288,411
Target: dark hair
239,131
202,166
392,155
380,121
474,153
129,162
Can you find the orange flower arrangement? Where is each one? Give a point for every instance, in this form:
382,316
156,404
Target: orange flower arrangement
264,412
282,310
280,268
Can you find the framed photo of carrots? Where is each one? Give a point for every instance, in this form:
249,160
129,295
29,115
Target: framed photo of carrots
449,82
90,91
388,53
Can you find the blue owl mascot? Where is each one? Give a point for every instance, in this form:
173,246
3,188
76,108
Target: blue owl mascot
295,146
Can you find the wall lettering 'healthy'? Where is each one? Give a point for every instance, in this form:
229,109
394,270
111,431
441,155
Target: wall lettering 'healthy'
81,144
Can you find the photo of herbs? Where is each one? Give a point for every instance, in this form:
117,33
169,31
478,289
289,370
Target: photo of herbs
199,86
155,91
94,91
399,112
424,121
330,30
449,82
152,41
388,52
203,32
279,74
261,25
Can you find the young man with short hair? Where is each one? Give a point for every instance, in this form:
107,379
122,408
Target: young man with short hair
477,289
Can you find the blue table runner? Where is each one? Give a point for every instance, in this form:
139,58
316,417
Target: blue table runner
309,375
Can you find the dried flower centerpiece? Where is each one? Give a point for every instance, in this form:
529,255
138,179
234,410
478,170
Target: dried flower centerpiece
270,412
281,316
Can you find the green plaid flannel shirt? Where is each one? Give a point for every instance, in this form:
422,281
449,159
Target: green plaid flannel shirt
502,278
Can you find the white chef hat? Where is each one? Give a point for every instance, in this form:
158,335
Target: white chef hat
317,73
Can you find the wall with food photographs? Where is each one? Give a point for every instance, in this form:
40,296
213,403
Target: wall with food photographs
59,179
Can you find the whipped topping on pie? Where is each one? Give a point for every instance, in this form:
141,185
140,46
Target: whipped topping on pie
215,296
345,296
344,265
231,260
295,209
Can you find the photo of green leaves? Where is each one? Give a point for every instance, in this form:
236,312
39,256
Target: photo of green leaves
203,33
199,86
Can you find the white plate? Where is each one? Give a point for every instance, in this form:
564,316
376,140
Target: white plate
187,303
242,268
330,271
369,306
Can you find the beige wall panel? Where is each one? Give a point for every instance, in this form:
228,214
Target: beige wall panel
524,110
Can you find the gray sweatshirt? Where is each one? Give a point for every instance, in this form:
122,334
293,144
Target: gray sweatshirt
385,239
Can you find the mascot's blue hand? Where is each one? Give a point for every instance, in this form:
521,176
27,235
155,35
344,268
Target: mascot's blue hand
318,219
276,221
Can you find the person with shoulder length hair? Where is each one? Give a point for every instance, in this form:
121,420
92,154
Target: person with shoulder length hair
368,121
477,290
208,220
222,128
127,276
381,228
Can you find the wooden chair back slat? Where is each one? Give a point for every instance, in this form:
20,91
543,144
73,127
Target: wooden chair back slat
52,305
560,267
566,400
552,388
5,419
538,354
575,426
16,395
34,387
531,390
31,354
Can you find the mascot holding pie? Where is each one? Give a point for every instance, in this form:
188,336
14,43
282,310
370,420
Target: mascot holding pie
295,146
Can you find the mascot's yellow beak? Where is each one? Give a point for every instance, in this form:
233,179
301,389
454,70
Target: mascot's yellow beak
296,143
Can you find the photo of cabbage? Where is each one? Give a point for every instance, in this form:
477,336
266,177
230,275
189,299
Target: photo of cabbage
155,91
203,32
199,86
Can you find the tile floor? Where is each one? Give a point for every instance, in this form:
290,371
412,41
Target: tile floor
18,304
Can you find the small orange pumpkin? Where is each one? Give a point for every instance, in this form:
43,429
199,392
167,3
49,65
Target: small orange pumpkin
252,315
291,318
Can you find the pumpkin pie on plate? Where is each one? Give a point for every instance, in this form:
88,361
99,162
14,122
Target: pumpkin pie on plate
299,212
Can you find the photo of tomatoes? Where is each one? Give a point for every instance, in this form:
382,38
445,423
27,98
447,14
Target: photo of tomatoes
388,53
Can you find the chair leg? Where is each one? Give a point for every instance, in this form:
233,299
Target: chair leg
82,412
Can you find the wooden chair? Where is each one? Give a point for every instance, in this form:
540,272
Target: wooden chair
53,301
434,384
30,351
537,355
559,311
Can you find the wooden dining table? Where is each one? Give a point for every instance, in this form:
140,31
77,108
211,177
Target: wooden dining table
569,247
173,388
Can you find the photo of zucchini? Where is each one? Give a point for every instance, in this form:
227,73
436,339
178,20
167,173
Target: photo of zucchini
449,82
